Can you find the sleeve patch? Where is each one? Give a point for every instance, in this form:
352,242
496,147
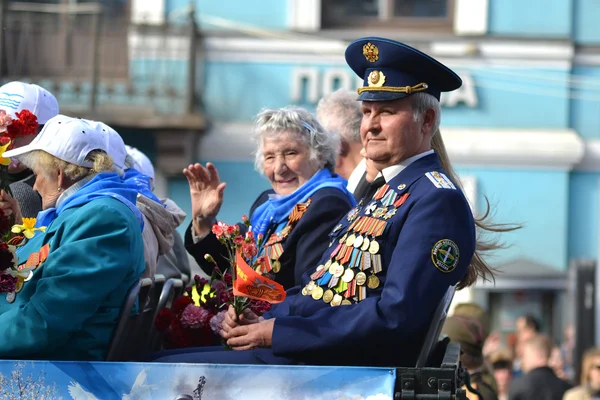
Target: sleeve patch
444,255
440,180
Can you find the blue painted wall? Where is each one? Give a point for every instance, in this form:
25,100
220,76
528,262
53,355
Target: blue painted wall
583,215
262,13
523,98
533,18
536,199
586,14
585,105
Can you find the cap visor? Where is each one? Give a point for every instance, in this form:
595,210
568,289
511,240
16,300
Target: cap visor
381,96
19,151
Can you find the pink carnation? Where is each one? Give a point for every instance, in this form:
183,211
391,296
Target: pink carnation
5,120
216,322
194,317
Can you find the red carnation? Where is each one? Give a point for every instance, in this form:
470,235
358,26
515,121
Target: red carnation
30,122
26,124
180,304
163,319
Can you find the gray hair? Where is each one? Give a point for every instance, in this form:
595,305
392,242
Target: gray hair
340,111
303,126
421,102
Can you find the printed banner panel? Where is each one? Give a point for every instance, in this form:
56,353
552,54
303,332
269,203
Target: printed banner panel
137,381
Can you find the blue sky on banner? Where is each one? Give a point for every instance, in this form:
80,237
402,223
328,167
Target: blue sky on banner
128,381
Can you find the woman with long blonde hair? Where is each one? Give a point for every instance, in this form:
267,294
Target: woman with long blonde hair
589,387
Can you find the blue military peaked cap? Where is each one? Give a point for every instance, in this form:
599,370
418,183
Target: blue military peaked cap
392,70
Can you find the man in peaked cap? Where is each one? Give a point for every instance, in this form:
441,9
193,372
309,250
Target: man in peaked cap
371,298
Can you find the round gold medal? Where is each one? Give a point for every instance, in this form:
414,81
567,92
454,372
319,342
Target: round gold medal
348,275
358,241
328,296
276,267
361,278
350,240
374,247
337,300
339,270
373,282
346,302
304,291
333,267
317,293
365,244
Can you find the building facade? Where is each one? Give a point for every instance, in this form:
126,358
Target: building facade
523,131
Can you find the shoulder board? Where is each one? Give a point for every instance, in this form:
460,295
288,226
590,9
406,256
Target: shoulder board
440,180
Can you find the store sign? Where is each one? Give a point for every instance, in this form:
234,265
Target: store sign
310,84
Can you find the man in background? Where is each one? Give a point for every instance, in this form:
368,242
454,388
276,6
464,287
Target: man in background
539,381
340,112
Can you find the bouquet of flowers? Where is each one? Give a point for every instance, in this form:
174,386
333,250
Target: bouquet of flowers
11,129
195,318
11,277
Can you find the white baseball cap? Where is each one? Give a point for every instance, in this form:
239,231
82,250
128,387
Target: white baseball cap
68,139
18,96
115,146
141,162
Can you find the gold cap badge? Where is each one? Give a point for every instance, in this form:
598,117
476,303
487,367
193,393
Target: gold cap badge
371,52
376,79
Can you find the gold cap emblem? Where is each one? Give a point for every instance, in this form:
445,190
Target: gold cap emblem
376,79
371,52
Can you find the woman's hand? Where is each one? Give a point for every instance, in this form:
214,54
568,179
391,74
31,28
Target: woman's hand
10,206
206,191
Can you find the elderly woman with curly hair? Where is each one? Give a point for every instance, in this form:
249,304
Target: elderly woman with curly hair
87,257
298,157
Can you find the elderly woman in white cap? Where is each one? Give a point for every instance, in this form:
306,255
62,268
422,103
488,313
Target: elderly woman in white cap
89,255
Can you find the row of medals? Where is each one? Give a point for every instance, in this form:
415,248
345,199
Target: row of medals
368,258
344,279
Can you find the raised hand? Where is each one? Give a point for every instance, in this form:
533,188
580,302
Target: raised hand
206,192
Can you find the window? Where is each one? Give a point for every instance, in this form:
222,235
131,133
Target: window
387,13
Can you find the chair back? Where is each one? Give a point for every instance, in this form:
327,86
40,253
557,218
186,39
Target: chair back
435,328
171,289
124,343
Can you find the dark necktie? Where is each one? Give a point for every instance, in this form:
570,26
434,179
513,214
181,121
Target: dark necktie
372,188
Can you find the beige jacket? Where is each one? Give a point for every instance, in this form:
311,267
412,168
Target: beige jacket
159,225
577,393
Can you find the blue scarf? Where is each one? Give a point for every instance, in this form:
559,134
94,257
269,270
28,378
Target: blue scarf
276,210
105,184
133,176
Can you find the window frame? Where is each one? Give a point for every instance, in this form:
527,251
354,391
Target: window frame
386,19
